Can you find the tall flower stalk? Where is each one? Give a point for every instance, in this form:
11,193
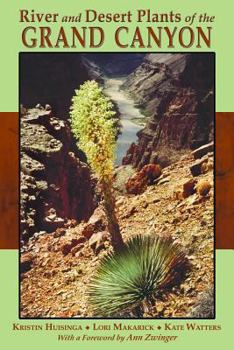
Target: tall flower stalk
93,125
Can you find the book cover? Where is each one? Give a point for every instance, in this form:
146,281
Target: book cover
116,174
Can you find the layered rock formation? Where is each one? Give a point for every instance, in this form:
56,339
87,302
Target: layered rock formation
55,183
176,91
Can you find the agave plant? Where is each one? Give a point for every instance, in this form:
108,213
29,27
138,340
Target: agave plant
127,279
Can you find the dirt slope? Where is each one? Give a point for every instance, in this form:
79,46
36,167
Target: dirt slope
57,267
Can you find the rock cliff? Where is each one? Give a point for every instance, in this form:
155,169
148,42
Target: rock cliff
176,91
55,182
116,64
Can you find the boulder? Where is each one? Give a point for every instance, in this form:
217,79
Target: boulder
97,222
98,218
196,168
137,184
71,243
203,150
97,241
147,175
59,232
189,188
88,230
152,172
52,221
178,195
204,306
203,187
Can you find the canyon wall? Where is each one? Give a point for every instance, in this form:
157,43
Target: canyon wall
56,185
176,93
116,64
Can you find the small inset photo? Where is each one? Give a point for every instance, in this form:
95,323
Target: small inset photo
117,185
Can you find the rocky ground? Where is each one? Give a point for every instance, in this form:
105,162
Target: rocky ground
56,267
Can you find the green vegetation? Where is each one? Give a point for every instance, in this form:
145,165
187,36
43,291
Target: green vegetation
93,125
127,280
129,277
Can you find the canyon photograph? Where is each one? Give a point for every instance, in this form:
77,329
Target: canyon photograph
117,185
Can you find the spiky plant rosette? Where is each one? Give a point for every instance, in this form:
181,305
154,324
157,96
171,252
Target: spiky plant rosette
126,278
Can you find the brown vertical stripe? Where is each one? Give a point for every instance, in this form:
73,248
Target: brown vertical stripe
225,180
9,135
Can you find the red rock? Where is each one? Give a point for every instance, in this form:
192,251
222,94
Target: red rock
151,171
138,182
176,105
129,156
178,195
189,188
47,203
88,231
67,247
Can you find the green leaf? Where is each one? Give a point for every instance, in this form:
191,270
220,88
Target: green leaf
126,278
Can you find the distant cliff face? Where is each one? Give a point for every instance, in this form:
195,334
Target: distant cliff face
55,183
177,92
51,78
116,64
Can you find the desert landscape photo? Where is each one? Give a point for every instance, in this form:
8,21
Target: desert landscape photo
117,185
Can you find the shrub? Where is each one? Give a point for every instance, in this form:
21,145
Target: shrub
127,279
